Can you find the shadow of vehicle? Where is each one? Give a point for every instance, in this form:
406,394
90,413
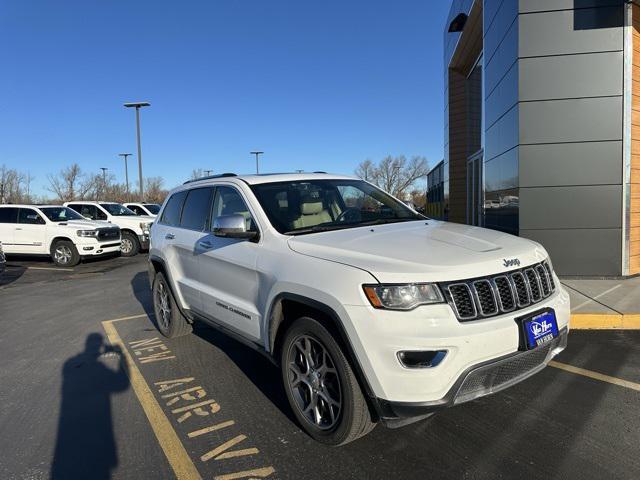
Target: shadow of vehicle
255,366
12,273
85,443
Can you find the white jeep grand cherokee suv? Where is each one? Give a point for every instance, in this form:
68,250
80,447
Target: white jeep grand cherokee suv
372,311
134,228
55,231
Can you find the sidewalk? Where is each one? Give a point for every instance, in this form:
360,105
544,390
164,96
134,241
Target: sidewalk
604,304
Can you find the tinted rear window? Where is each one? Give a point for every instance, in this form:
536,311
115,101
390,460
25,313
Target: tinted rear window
8,215
171,213
196,209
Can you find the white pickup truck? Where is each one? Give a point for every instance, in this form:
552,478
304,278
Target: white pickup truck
134,228
55,231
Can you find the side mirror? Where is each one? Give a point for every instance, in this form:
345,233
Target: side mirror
232,226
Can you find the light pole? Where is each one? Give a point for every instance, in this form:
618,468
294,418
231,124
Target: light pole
104,180
126,170
257,154
207,172
137,106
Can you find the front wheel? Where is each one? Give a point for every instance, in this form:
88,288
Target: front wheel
65,254
320,385
129,244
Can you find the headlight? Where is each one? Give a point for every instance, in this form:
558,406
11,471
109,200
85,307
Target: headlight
403,297
87,233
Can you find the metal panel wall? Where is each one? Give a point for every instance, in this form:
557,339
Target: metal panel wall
571,131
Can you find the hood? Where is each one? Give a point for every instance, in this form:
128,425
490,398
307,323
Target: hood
83,224
132,220
424,251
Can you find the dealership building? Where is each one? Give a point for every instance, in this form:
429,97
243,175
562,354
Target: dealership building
542,127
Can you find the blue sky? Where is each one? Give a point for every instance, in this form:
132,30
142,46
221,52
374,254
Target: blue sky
316,85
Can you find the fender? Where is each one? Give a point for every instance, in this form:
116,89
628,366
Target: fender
151,271
337,321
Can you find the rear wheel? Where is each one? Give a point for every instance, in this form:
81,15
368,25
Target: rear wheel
321,387
65,254
129,244
169,319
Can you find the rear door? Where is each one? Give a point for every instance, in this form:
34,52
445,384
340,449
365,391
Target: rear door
31,232
228,277
8,223
173,241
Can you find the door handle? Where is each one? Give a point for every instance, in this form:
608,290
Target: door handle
169,236
206,244
18,228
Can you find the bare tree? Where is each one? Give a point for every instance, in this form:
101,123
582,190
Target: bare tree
154,191
196,173
71,184
12,186
396,175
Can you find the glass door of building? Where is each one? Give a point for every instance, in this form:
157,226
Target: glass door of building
475,191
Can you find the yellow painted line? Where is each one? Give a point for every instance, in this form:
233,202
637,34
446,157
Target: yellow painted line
175,452
605,321
212,428
132,317
596,376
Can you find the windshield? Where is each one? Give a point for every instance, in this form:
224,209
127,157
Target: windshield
152,207
311,206
117,210
61,214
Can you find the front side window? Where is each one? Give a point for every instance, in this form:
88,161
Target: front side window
30,217
317,205
8,215
60,214
173,209
117,210
196,209
153,208
229,202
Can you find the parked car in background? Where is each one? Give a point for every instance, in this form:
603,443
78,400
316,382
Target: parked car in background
372,311
150,209
55,231
3,262
134,228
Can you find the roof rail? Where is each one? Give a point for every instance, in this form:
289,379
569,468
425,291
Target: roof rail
221,175
319,171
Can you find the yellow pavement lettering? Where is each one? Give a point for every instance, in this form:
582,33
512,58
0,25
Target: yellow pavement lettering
171,384
596,376
220,453
212,428
181,392
263,472
178,458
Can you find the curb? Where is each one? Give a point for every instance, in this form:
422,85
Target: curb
603,321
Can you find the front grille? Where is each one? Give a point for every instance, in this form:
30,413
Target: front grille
495,295
106,234
498,375
463,301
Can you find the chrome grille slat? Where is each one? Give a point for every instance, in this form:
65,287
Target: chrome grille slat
498,294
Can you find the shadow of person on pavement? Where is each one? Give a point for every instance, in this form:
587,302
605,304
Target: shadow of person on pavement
85,444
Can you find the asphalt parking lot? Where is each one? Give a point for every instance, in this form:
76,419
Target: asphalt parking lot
91,390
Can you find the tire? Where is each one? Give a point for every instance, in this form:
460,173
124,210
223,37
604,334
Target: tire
348,417
64,254
129,245
169,320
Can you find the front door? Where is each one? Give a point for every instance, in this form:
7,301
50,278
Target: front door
31,232
228,276
475,190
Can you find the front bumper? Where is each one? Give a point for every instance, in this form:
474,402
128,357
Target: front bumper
378,335
479,381
96,249
144,241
